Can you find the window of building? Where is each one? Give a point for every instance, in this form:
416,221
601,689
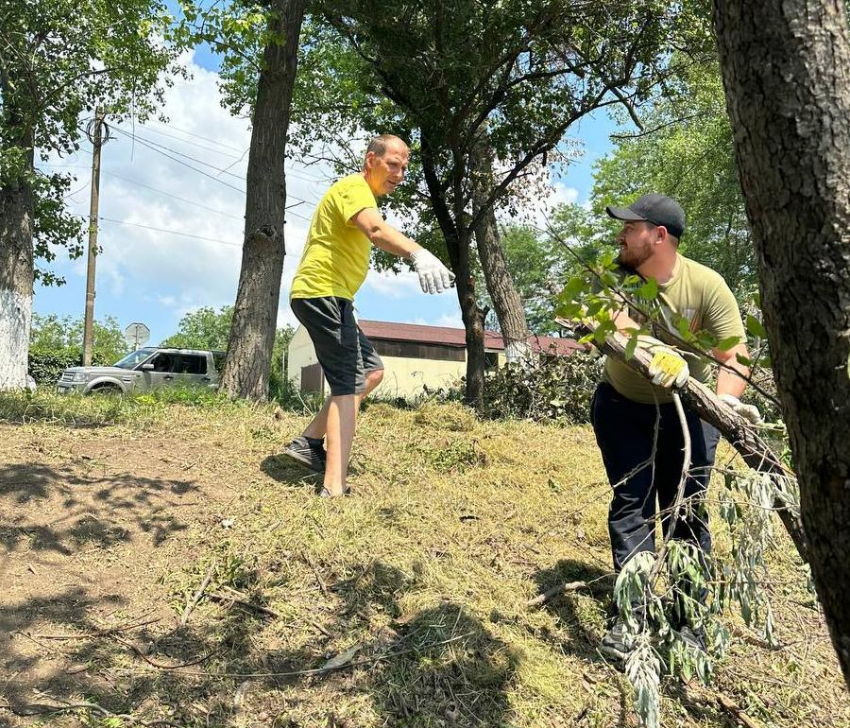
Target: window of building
414,350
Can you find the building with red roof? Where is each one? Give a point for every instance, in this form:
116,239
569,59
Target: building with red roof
415,357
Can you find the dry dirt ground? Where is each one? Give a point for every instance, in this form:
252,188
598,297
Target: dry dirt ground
420,582
90,521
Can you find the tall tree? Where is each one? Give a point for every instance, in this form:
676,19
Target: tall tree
786,71
260,41
494,266
58,60
527,72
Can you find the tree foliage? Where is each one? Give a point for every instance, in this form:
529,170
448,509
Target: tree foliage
685,152
204,328
57,343
58,61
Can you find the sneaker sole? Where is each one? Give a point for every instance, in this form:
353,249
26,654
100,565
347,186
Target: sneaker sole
302,460
615,657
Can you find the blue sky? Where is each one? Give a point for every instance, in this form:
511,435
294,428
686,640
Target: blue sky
171,209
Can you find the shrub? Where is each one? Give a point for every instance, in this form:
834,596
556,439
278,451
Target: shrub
556,388
46,365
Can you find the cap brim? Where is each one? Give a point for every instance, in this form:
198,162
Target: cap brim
622,213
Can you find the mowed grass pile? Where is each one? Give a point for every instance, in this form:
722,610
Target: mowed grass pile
418,585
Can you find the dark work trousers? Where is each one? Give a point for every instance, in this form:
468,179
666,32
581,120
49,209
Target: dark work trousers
625,431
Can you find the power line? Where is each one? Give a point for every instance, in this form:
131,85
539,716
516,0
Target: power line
300,173
170,232
195,144
175,197
153,147
192,134
159,149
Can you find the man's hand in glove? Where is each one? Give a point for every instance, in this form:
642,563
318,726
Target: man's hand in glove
748,411
434,277
667,368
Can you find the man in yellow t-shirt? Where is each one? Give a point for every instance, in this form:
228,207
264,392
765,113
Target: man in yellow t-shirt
333,266
635,422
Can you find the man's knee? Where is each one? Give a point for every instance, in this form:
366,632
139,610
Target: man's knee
375,377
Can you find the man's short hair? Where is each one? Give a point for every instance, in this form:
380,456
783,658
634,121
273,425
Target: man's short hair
378,145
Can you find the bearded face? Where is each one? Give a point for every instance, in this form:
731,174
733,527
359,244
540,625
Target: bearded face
635,241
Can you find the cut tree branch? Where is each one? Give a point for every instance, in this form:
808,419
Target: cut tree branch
753,449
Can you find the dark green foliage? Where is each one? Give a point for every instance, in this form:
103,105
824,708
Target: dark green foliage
46,366
557,388
57,343
58,60
280,388
203,329
686,153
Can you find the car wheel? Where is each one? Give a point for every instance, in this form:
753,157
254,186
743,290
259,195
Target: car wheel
110,390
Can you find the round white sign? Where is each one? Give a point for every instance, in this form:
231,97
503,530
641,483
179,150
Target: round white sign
137,335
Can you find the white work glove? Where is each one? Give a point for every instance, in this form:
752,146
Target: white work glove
434,277
667,368
748,411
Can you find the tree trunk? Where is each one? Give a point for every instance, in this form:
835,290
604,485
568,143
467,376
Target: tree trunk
500,285
248,363
786,70
457,238
473,322
16,277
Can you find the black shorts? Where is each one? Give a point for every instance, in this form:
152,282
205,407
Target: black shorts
343,351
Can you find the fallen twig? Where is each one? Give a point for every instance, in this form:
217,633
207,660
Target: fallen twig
315,569
323,670
160,665
241,600
556,591
190,605
105,632
30,709
735,710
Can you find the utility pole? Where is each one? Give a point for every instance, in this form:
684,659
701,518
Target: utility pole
96,138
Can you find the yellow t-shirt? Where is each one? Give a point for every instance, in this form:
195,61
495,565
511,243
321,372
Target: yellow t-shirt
336,256
698,294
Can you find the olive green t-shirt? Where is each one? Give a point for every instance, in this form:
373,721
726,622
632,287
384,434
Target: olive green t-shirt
336,256
701,296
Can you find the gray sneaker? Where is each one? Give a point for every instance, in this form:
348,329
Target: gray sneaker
303,453
695,639
613,645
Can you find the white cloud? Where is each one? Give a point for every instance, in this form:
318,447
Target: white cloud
162,273
394,285
452,321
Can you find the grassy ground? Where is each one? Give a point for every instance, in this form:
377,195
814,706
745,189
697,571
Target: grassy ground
117,514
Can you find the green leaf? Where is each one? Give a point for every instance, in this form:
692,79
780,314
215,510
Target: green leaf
631,346
755,327
746,361
649,290
728,343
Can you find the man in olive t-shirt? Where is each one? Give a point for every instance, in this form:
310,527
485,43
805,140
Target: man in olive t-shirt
636,425
333,266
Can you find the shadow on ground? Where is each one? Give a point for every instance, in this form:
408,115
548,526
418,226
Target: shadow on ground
438,665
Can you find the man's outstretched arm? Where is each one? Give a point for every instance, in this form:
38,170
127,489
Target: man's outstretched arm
434,277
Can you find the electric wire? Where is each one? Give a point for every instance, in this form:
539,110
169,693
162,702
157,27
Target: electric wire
170,232
159,149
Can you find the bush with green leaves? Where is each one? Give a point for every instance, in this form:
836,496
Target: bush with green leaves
56,343
553,388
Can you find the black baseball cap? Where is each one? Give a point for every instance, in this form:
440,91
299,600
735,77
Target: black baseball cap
657,209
